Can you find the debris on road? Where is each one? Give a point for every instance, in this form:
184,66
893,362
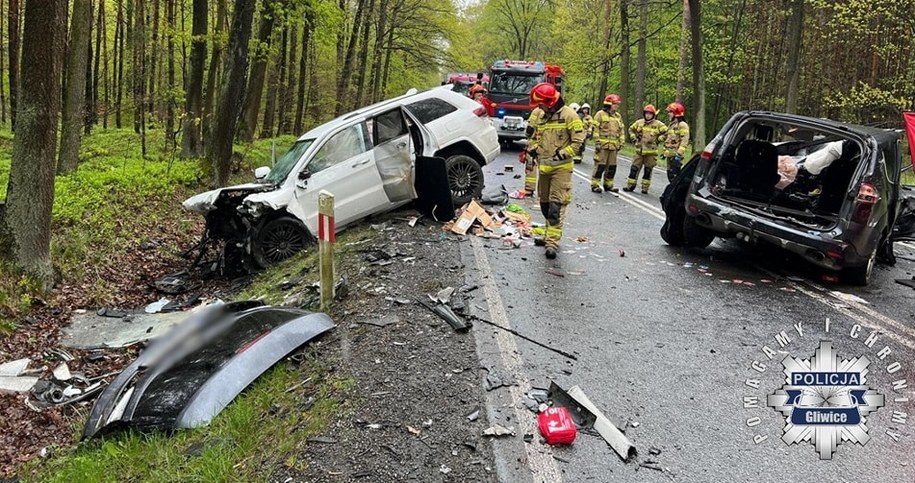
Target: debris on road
157,306
651,465
580,415
622,253
473,415
611,434
849,298
322,440
494,381
556,426
907,282
497,430
445,313
16,384
382,321
522,336
14,368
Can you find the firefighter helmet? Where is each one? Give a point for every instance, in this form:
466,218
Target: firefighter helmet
575,107
612,99
650,108
676,109
477,88
546,94
586,106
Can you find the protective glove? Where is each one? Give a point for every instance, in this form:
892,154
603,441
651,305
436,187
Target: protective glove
677,159
564,153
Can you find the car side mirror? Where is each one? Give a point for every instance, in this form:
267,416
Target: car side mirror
261,173
304,174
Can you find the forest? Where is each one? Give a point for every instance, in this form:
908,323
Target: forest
204,74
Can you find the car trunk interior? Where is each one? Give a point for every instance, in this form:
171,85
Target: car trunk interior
796,173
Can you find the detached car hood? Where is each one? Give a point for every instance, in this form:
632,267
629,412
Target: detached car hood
184,379
206,201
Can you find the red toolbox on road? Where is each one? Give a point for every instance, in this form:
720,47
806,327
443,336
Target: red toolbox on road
556,426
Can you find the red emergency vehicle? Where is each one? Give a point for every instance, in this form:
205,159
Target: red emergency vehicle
508,100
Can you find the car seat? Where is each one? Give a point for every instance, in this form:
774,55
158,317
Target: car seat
836,179
755,171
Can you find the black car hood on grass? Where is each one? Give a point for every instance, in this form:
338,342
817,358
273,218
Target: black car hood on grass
186,378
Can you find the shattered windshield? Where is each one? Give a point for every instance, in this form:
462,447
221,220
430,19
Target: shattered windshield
284,165
507,83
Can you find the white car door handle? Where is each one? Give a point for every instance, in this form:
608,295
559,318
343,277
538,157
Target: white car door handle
360,163
401,145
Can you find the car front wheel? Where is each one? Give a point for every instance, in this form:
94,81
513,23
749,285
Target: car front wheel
279,239
465,178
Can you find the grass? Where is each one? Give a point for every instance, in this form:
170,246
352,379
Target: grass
260,432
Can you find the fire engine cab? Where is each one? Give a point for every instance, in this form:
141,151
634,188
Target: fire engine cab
508,101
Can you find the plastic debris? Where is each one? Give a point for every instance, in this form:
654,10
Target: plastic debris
556,426
62,372
156,307
14,368
611,434
498,430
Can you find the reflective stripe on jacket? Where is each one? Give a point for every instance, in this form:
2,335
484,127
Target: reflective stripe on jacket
562,132
677,139
647,135
610,130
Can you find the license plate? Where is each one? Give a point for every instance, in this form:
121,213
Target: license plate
512,122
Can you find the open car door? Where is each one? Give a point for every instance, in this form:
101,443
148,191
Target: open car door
433,193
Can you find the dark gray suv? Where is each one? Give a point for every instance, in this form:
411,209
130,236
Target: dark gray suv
827,191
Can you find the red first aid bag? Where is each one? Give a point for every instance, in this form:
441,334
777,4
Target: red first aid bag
556,426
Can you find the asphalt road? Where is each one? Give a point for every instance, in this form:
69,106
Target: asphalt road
665,340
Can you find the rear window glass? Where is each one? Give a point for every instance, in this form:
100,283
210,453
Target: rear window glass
428,110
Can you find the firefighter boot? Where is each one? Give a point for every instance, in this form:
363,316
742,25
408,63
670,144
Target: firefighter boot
608,179
551,253
631,181
646,180
596,176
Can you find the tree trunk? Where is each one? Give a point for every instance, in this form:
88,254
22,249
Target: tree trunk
89,86
119,65
387,64
96,69
276,82
2,92
30,191
311,106
684,53
170,97
367,16
209,96
698,131
289,93
252,108
192,146
225,117
13,32
303,66
640,59
347,71
607,32
139,73
795,37
103,27
74,95
624,60
376,55
153,61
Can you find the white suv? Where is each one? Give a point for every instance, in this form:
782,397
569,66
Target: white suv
372,160
465,133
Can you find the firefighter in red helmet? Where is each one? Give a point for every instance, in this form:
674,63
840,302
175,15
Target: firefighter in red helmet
646,134
477,92
561,133
608,139
677,139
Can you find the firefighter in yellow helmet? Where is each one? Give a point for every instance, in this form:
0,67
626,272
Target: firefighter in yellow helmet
584,113
529,155
646,134
561,135
677,139
609,137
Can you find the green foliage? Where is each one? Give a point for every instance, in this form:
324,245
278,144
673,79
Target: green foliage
264,416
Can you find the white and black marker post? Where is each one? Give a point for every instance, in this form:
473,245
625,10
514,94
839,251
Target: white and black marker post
326,239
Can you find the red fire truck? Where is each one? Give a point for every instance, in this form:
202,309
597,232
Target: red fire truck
463,81
510,83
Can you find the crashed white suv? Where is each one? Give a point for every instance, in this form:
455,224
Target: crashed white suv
372,160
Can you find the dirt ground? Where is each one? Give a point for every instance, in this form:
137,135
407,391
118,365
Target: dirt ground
415,380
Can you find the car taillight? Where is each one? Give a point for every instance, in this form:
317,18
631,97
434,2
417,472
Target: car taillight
480,111
708,151
867,194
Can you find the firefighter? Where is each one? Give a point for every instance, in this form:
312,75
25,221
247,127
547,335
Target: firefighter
529,155
609,137
477,92
646,134
561,135
677,139
584,113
